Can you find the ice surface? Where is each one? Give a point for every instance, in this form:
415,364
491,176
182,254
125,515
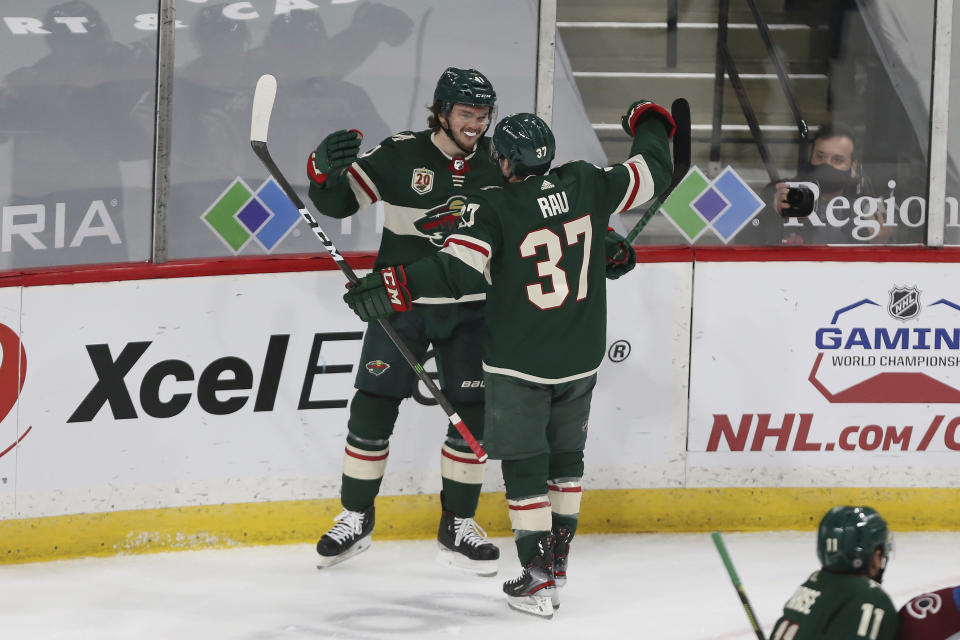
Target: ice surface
661,586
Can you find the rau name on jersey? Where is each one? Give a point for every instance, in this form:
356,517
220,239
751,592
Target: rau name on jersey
554,204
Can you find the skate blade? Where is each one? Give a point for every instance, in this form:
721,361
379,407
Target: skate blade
541,606
358,547
447,558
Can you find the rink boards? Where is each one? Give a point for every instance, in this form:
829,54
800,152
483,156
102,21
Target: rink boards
197,404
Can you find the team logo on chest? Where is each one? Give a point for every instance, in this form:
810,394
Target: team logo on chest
439,222
422,181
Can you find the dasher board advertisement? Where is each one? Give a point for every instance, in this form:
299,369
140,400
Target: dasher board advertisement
211,390
808,371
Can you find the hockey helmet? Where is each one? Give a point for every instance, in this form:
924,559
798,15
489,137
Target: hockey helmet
215,32
527,142
464,86
93,28
848,536
299,25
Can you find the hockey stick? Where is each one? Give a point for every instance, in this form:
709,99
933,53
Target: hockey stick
722,548
680,110
263,98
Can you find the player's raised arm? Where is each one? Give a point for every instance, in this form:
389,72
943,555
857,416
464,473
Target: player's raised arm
650,161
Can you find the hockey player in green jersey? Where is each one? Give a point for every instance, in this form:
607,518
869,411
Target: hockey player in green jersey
844,600
420,178
540,247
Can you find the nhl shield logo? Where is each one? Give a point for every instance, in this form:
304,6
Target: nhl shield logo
377,367
422,181
904,303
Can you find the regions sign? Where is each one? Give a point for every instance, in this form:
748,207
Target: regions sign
723,205
241,214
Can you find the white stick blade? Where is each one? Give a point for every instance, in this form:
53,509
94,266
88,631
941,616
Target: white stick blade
263,98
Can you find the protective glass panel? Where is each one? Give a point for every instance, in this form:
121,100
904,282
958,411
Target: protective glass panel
339,65
861,66
77,103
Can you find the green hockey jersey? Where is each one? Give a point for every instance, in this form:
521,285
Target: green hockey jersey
421,188
837,606
537,246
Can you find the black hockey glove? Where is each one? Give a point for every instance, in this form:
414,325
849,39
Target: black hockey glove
338,150
644,109
379,294
621,257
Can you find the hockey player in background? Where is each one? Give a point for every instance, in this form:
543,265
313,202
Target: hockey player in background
931,616
541,247
844,600
420,177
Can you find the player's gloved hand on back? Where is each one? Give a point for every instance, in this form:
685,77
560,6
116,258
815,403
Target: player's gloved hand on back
338,150
621,257
643,110
379,294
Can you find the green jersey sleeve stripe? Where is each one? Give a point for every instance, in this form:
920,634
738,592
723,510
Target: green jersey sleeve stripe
363,187
472,243
472,252
641,184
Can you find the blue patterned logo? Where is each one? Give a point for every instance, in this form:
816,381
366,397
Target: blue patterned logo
724,205
240,215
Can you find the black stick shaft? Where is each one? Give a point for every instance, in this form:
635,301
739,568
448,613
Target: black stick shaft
260,148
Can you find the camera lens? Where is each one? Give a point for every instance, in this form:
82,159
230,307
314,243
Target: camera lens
801,203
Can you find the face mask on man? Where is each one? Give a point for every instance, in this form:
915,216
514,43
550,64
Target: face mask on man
830,179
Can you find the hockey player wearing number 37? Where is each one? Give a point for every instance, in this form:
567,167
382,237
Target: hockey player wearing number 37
540,247
420,178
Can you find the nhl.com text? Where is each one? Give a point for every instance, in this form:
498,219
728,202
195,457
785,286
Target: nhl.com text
791,432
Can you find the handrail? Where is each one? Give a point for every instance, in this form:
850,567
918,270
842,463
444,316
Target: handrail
723,12
779,67
725,64
672,14
748,111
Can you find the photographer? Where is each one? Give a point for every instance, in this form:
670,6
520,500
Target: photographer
833,207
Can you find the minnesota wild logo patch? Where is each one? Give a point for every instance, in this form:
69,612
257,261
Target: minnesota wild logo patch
377,367
439,222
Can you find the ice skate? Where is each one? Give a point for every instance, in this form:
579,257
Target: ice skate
535,592
350,536
463,544
561,552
